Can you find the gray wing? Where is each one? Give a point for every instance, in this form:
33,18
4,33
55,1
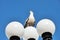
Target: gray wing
26,23
30,24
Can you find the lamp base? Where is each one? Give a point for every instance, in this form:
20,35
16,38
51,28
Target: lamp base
47,36
31,39
14,38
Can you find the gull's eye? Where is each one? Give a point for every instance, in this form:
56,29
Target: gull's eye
14,30
30,33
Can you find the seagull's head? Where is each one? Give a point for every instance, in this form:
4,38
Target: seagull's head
31,14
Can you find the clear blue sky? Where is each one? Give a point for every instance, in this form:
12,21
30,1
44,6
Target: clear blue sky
18,10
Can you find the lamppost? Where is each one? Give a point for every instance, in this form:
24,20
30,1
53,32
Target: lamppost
14,30
46,29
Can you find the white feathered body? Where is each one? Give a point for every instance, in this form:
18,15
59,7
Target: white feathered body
30,20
